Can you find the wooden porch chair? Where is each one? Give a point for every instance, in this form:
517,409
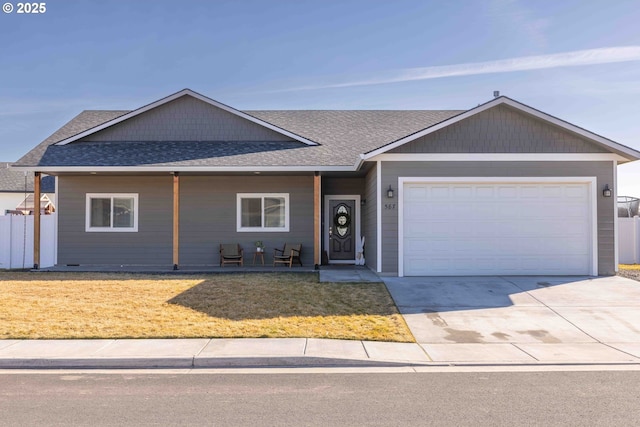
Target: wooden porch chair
287,254
231,253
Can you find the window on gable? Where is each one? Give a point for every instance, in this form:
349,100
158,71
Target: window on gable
263,212
112,212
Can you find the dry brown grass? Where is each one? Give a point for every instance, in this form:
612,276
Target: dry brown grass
99,305
630,271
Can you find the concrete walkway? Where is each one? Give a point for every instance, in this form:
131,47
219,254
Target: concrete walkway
292,352
206,353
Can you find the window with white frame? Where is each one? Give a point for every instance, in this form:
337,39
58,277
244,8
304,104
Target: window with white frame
108,212
262,212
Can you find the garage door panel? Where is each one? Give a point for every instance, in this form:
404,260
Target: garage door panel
574,246
552,191
431,230
497,228
440,192
508,191
462,192
535,191
576,192
485,192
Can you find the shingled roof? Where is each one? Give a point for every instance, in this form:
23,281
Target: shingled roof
342,136
289,139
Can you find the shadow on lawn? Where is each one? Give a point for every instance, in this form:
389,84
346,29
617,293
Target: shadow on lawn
286,298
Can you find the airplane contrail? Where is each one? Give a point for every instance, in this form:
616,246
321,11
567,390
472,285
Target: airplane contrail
566,59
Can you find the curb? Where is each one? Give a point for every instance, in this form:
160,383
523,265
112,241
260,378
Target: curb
180,362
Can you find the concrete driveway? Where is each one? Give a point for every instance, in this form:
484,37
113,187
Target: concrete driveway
522,319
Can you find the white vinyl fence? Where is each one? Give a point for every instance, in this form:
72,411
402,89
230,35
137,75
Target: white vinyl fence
629,240
16,241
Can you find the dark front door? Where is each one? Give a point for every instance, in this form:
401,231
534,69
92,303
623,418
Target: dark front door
342,245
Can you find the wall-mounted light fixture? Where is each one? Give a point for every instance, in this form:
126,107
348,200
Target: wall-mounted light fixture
390,192
363,202
607,191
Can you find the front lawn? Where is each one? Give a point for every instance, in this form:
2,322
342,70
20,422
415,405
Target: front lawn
630,271
270,305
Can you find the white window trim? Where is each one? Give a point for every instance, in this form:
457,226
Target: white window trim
262,196
88,228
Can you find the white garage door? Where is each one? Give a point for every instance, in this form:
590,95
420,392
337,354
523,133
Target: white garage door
456,228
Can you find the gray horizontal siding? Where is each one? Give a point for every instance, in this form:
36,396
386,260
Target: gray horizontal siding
500,130
603,171
208,216
152,244
342,186
187,119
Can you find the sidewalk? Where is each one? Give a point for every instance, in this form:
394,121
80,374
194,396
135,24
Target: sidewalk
288,352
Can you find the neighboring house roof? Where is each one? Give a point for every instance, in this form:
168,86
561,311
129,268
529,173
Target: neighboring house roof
13,180
328,140
27,203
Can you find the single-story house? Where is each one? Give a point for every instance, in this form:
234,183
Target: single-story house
16,190
500,189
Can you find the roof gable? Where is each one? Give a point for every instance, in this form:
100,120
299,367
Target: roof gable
607,144
185,116
501,129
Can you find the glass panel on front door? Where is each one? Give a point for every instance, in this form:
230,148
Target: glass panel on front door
341,232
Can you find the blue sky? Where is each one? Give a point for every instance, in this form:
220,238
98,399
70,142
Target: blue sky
578,60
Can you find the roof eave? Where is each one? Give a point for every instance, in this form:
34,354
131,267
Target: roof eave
170,169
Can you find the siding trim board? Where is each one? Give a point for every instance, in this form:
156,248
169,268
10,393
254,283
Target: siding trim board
615,216
57,223
370,218
378,217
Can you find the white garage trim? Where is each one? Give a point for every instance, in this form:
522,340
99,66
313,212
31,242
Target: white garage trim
592,188
616,252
